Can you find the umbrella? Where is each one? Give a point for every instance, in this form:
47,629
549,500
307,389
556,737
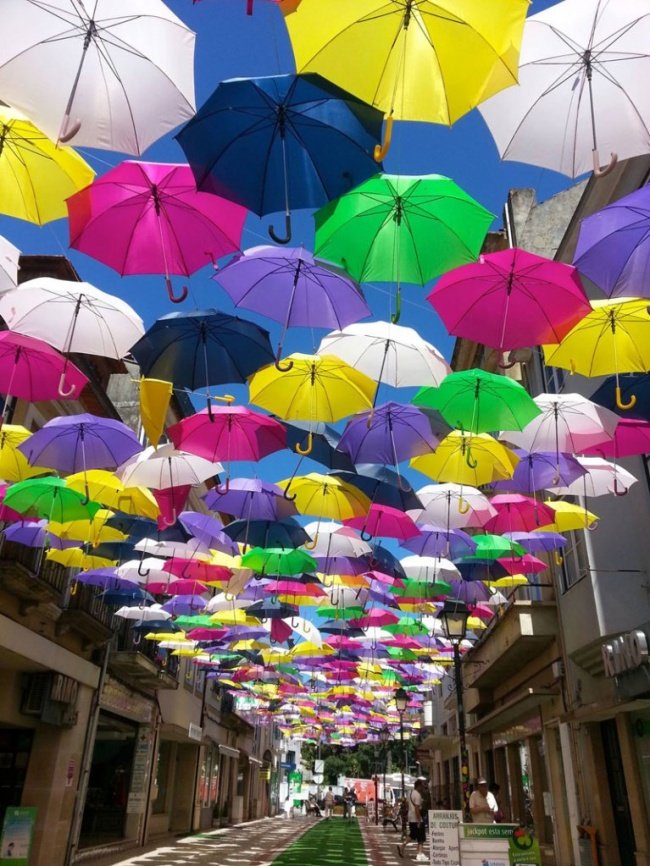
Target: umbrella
251,499
630,437
570,517
402,229
157,221
517,513
455,506
36,176
106,487
276,561
72,317
229,433
381,485
580,74
325,496
613,338
510,299
479,401
50,498
9,255
631,385
292,287
324,441
409,59
613,249
13,463
387,434
535,542
31,369
599,479
467,458
434,541
384,521
267,533
123,70
540,470
202,348
281,142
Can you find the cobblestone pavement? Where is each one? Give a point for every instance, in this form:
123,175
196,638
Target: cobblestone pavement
381,844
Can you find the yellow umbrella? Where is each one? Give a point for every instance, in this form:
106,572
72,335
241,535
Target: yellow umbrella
613,338
36,176
13,463
355,581
74,557
306,649
468,458
569,516
475,624
105,487
165,635
234,617
509,582
312,388
326,496
92,531
424,60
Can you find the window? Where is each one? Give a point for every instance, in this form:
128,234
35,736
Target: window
575,560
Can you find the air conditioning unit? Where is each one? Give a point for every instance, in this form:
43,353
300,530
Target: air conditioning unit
51,698
557,669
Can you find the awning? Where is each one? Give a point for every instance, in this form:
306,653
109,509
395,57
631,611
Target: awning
228,751
252,760
524,704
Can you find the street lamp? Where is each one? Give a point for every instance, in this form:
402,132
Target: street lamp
385,737
401,702
454,616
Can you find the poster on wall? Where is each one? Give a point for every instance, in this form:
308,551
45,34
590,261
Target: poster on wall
17,834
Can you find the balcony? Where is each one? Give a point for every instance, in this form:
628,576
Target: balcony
86,613
27,575
141,662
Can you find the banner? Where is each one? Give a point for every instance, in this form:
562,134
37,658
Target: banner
17,833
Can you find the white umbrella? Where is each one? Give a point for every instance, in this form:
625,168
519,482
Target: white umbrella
583,75
143,614
72,317
176,549
601,478
144,570
329,540
429,568
453,506
113,74
166,467
9,255
388,353
225,601
568,423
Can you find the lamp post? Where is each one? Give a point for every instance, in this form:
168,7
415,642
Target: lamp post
454,616
401,702
385,737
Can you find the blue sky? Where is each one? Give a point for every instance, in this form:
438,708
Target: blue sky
231,44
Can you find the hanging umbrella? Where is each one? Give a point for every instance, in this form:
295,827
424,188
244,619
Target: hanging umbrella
382,486
31,369
36,176
325,496
435,541
122,70
280,143
72,317
106,487
479,401
50,498
157,221
613,338
292,287
580,88
536,542
276,561
467,458
409,59
251,499
324,441
385,522
600,478
402,229
540,470
570,517
635,385
9,255
267,533
13,463
387,434
517,513
455,506
510,300
630,437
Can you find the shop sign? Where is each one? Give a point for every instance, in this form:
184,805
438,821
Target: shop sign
625,653
137,800
524,849
195,732
444,847
117,699
17,834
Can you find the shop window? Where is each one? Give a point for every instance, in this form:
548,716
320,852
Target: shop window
208,778
161,778
15,746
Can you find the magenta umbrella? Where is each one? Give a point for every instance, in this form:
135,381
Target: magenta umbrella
517,513
148,218
631,437
510,300
384,521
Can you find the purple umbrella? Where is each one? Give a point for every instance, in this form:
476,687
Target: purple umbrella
387,434
205,527
469,591
33,533
107,579
613,248
437,541
184,605
290,286
341,564
536,542
536,471
251,499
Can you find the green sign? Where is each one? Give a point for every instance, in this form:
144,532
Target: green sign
17,833
524,848
488,831
295,776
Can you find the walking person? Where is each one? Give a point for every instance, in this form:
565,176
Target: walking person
329,803
346,802
417,832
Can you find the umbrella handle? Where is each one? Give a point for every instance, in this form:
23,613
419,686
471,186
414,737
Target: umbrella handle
221,491
308,448
365,536
74,586
63,392
602,172
68,131
173,520
311,545
141,572
137,639
229,596
280,367
469,459
249,7
506,366
175,299
463,506
619,491
381,150
287,225
619,400
395,317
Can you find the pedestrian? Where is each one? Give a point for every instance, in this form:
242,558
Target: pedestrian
346,802
329,803
482,804
498,815
417,832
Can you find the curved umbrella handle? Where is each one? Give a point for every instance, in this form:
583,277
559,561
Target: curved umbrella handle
463,506
602,172
395,317
173,520
508,365
280,367
175,299
472,464
619,491
69,130
229,596
365,536
381,150
62,391
142,573
285,493
309,447
619,400
74,586
221,491
287,226
86,498
137,639
310,545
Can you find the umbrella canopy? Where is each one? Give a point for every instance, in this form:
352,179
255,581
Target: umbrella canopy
630,437
435,541
281,142
384,521
600,479
9,255
517,513
632,391
510,299
387,434
455,506
381,485
540,470
325,496
251,499
13,463
467,458
36,176
267,533
270,561
157,221
166,467
124,70
580,88
50,498
31,369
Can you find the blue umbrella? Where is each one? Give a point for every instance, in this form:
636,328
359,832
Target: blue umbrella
281,142
267,533
202,348
382,485
631,384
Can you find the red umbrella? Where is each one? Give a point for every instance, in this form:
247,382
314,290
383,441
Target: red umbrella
517,513
384,521
527,564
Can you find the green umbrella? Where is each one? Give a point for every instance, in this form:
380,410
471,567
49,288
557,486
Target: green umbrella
480,402
401,229
271,560
493,547
407,626
423,589
344,613
50,498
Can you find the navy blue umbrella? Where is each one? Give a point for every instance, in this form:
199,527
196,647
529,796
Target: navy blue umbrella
267,533
632,385
281,142
198,349
324,441
381,485
381,559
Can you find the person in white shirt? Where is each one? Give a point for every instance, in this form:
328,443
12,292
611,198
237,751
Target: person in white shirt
329,803
483,804
416,823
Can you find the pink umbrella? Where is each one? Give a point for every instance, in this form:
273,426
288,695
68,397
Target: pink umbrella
526,564
510,300
195,569
156,221
32,370
231,432
517,513
176,587
631,437
384,521
382,577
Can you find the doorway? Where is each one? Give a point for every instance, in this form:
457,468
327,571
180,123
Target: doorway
618,791
15,747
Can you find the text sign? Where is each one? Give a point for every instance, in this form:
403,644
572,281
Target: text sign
444,847
625,653
17,834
